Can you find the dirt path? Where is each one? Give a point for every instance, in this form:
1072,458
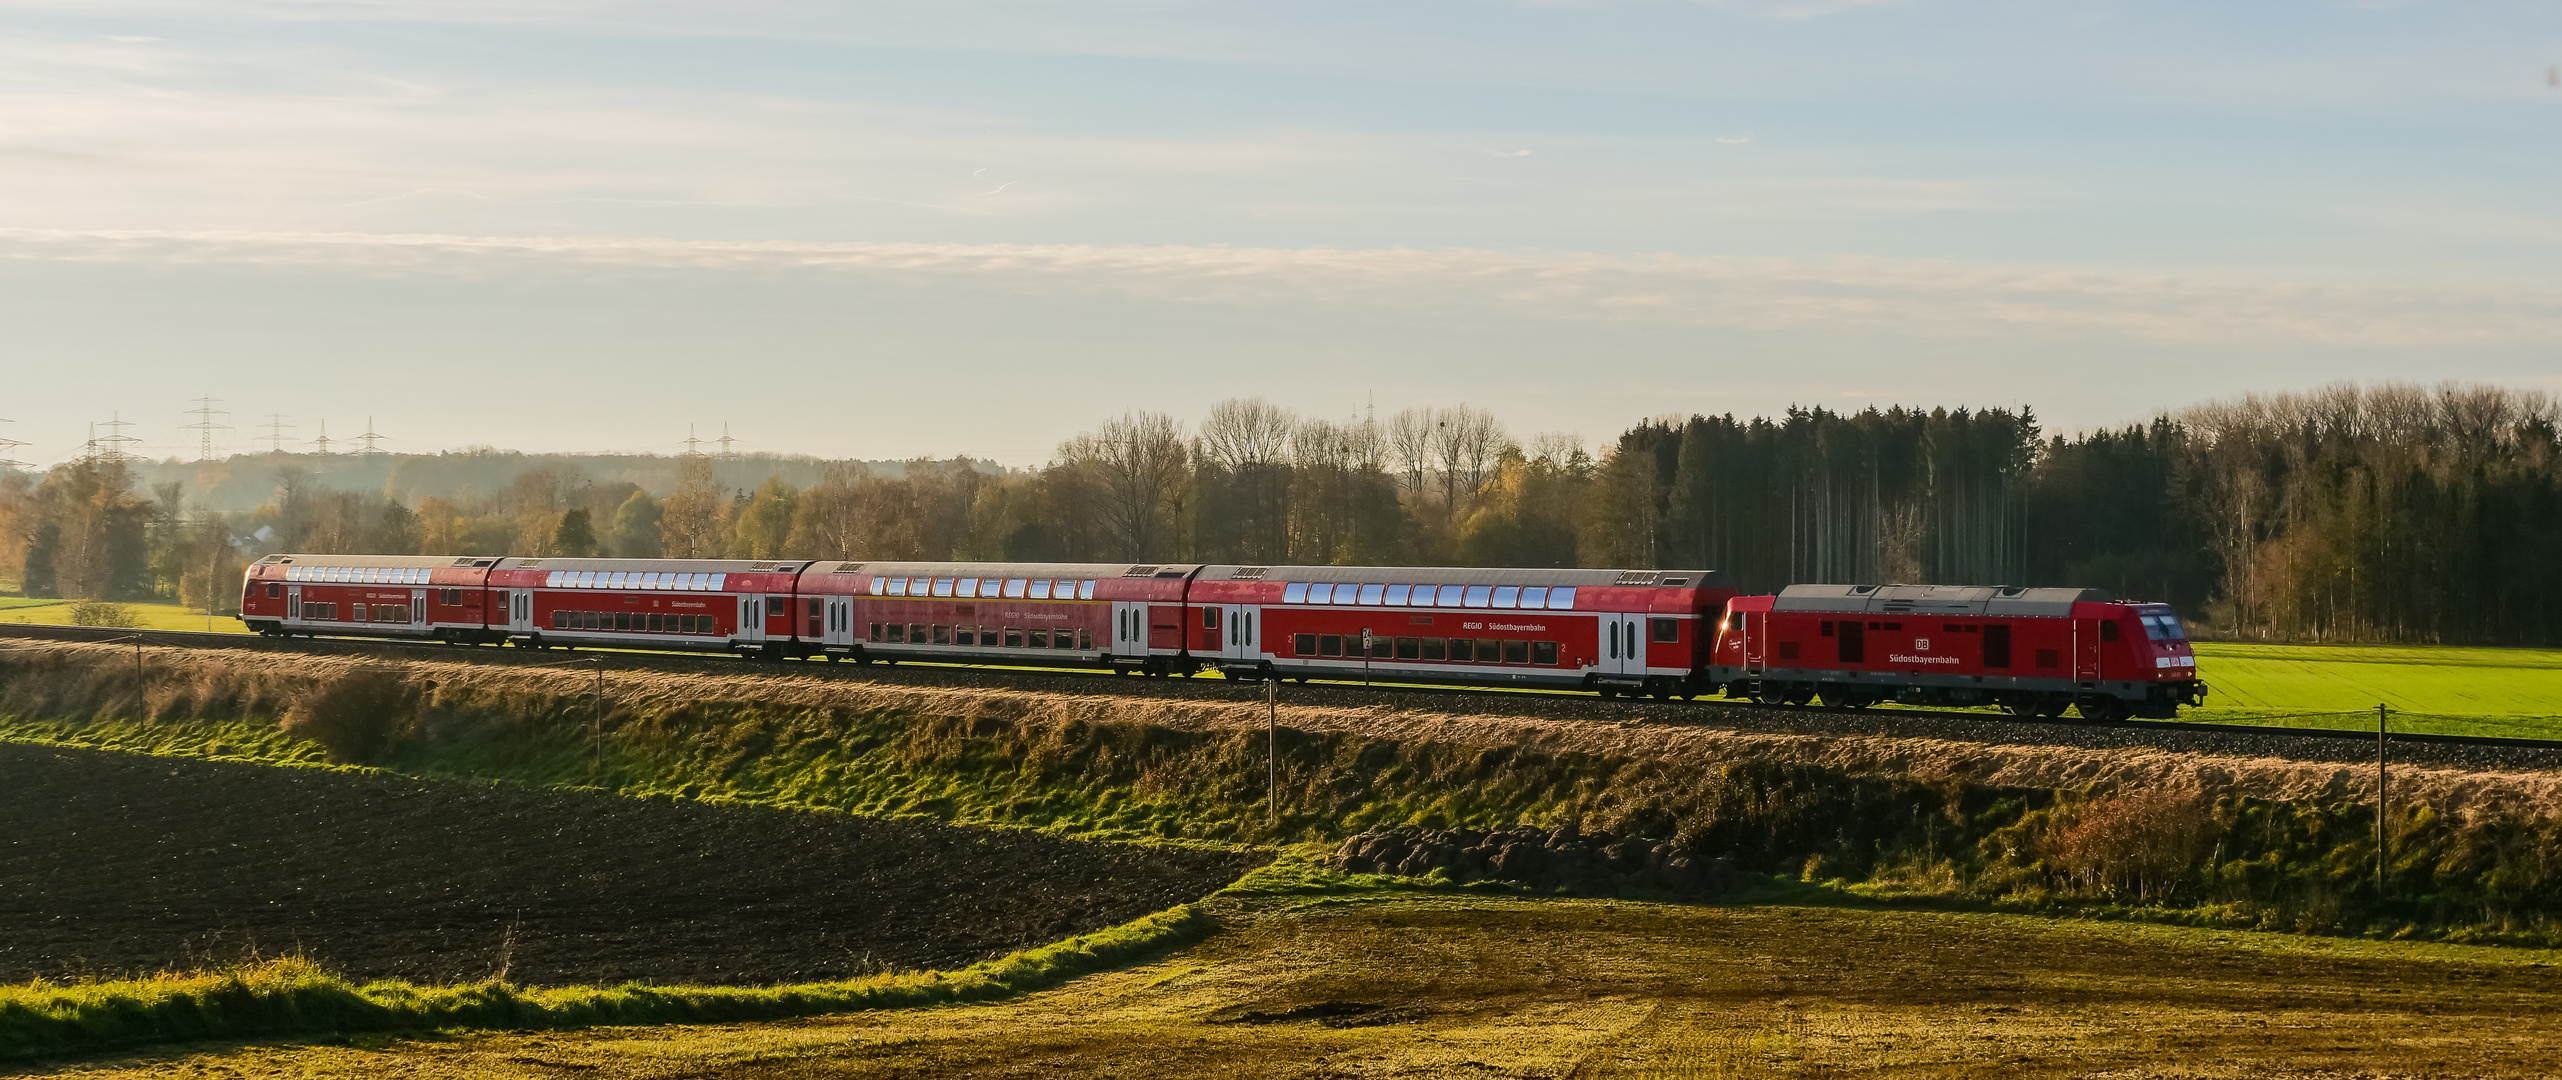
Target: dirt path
1586,989
114,863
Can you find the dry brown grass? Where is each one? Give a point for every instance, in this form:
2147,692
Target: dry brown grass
1586,989
59,679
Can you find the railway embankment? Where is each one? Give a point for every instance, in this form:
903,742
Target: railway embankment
2233,838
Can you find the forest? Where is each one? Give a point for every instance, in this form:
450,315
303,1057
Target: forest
2351,513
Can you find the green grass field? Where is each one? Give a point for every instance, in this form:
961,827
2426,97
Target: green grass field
41,612
2515,693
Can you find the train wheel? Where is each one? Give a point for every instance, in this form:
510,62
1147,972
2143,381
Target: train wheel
2104,710
1799,695
1608,691
1771,694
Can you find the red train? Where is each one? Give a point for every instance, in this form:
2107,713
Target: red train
1658,632
2032,651
1613,631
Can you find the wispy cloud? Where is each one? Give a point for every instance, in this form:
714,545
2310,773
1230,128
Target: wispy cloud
1910,296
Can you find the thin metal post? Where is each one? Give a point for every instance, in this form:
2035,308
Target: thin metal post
2383,801
1365,656
597,765
1272,747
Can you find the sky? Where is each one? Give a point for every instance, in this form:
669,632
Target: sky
880,230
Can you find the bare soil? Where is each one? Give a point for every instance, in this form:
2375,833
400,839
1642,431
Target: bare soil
115,863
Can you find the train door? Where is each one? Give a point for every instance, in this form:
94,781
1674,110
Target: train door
417,607
2086,642
293,605
520,611
1233,621
1129,628
839,623
1623,645
1755,632
751,618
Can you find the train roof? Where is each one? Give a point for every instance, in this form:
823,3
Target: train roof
434,562
698,566
1455,575
882,568
1935,599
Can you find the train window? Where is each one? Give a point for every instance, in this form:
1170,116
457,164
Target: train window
880,586
1014,588
1372,594
1489,651
1320,593
898,586
1507,595
875,635
1036,638
1561,599
1463,650
916,633
1064,590
1516,652
2049,658
1329,645
1409,648
1382,648
1398,595
1209,618
1824,628
1436,648
275,589
898,632
560,620
942,634
713,582
1535,596
1543,653
2108,630
1295,592
1303,645
1084,639
1478,594
1013,638
942,586
1040,589
966,587
965,635
1666,629
1449,596
1085,589
622,620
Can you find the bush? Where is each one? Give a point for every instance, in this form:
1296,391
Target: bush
104,613
354,716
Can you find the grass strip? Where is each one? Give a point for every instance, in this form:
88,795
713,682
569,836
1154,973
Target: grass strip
296,996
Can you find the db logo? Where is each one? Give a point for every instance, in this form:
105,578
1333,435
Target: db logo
1921,644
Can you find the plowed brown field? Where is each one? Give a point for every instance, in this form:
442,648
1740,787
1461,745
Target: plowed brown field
117,863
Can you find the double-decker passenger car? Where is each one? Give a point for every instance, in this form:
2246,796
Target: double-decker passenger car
1048,614
366,596
2033,651
1615,631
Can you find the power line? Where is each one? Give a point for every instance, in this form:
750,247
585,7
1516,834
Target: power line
7,445
204,412
727,454
693,446
321,445
275,438
111,446
371,440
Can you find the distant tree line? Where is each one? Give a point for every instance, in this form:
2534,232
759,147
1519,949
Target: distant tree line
2385,513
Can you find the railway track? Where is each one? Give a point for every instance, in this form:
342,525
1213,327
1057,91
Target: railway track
1984,726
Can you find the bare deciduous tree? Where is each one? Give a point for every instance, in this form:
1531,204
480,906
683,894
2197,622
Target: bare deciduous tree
1133,469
